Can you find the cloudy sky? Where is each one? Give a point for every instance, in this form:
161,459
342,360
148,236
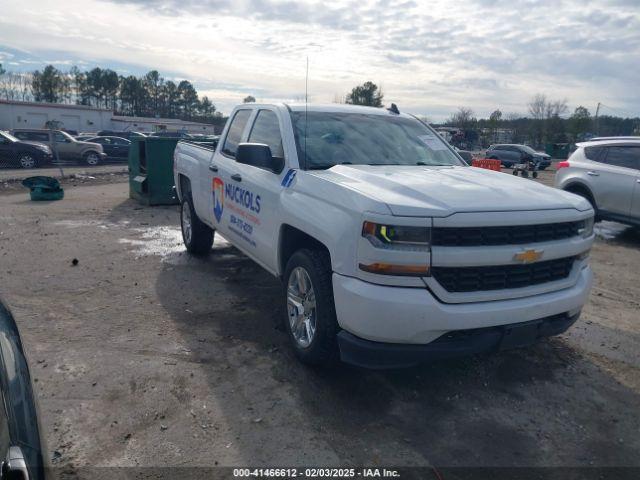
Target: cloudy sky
430,57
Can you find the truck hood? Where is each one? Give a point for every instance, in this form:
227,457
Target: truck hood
442,191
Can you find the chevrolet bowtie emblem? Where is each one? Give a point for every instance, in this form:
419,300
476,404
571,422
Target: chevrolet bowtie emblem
528,256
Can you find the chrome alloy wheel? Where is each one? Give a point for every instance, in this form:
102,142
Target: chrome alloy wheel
301,307
93,159
27,161
187,230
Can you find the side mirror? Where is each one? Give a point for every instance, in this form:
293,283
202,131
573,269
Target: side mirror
259,155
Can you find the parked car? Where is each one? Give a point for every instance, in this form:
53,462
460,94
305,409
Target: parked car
122,134
66,147
116,148
607,173
22,452
15,152
510,154
466,155
392,250
83,137
172,134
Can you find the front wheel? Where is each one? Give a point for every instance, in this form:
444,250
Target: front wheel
197,237
92,159
26,160
311,313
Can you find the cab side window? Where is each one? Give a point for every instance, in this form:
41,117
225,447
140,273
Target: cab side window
627,157
266,130
234,134
60,138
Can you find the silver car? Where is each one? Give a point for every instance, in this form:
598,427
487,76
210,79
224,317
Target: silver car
607,173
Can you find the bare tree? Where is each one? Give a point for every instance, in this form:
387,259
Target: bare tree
25,81
556,108
463,118
538,106
546,115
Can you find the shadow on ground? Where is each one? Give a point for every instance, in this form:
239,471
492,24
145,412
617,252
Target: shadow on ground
539,406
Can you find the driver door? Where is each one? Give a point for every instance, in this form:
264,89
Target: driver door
255,220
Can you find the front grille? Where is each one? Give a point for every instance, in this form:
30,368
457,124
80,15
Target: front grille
504,235
502,277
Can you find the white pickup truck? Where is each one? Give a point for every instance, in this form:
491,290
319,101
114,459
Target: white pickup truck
392,250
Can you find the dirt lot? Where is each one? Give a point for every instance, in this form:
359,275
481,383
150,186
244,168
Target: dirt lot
143,356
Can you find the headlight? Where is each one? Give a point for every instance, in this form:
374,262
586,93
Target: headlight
586,229
397,237
402,240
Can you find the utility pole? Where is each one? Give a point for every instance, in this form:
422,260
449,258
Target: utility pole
596,119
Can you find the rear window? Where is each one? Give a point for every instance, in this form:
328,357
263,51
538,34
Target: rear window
33,136
624,156
235,132
593,153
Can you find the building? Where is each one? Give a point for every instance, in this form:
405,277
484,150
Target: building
81,118
146,124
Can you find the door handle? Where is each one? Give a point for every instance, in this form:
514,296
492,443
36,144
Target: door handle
593,174
236,177
213,168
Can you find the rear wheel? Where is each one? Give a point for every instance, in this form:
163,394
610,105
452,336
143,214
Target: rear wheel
27,160
197,237
311,313
92,158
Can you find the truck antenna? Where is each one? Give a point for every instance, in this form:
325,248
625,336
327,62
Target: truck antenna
306,111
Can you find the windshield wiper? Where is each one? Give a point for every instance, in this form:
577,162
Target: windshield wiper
425,164
327,166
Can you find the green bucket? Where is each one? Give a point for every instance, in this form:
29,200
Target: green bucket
44,189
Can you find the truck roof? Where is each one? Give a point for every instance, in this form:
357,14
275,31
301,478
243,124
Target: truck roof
328,107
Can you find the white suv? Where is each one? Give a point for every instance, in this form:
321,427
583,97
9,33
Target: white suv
607,173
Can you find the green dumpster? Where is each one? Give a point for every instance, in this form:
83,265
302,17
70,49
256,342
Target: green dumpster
151,170
557,150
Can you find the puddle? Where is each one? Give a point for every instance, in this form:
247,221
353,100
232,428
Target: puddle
609,230
166,243
91,223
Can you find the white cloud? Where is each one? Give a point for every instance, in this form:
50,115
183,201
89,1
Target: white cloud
429,56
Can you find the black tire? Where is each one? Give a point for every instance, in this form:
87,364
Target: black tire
534,174
515,172
200,238
323,349
91,158
27,160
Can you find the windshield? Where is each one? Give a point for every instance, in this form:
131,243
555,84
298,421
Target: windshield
528,149
8,136
334,138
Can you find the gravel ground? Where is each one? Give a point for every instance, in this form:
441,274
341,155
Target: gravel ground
144,356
